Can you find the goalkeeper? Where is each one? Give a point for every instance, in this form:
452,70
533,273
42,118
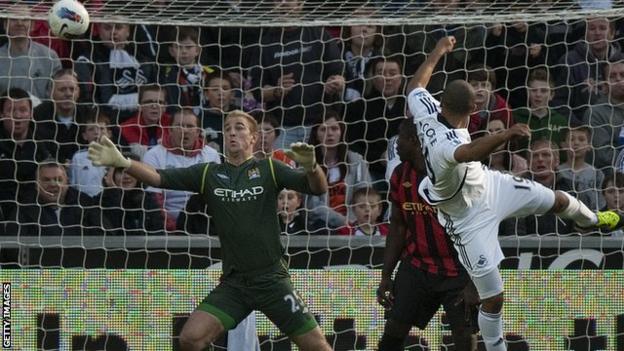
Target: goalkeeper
241,195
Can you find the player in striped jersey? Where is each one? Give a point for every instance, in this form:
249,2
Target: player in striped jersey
430,273
471,199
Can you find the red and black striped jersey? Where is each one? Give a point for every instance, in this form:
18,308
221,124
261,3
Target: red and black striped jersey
428,247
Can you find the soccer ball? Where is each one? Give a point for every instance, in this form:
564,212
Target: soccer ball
68,19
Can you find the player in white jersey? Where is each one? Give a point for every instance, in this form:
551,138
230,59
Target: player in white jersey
471,199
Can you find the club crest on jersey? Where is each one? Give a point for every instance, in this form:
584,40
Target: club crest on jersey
253,173
407,184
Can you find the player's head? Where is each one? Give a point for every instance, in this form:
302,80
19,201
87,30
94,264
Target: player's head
408,145
613,190
185,49
540,89
240,133
52,182
576,141
366,205
458,100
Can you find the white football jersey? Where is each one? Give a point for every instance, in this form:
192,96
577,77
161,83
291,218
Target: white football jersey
450,185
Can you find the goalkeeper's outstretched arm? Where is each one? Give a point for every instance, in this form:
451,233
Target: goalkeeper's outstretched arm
423,74
105,153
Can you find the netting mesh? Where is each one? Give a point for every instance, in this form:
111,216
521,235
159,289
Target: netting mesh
329,12
332,73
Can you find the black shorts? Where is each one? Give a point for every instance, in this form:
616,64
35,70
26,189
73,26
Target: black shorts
418,295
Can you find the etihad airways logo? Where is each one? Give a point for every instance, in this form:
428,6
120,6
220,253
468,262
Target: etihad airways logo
230,195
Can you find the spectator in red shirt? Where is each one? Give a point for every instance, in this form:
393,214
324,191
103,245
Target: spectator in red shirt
490,105
146,127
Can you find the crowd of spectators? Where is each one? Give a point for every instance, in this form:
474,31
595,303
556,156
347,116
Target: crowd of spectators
161,93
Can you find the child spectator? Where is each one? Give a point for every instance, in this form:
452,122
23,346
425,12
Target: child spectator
293,218
83,175
544,122
112,70
269,131
371,122
366,205
218,99
490,105
613,191
183,81
575,175
502,159
361,44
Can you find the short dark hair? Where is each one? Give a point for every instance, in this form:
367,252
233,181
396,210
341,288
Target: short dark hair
613,60
458,98
270,119
363,191
50,163
482,73
14,94
150,87
183,111
542,75
186,32
216,74
615,177
565,132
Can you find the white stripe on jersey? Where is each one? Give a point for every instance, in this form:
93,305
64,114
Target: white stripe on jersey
439,140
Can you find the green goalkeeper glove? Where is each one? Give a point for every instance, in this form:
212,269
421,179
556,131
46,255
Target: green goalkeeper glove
105,153
303,154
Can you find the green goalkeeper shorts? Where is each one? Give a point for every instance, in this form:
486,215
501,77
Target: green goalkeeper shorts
271,293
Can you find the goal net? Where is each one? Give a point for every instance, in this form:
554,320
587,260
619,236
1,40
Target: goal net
333,74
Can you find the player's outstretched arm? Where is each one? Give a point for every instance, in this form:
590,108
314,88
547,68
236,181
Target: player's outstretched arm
303,154
481,148
105,153
423,74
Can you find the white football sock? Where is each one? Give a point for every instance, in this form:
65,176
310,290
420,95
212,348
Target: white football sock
491,325
578,212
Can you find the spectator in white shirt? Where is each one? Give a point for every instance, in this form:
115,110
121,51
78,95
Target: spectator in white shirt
182,146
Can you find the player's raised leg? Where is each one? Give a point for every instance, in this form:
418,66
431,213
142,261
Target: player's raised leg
201,329
569,207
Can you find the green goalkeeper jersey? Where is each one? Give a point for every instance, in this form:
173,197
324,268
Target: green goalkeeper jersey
242,202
